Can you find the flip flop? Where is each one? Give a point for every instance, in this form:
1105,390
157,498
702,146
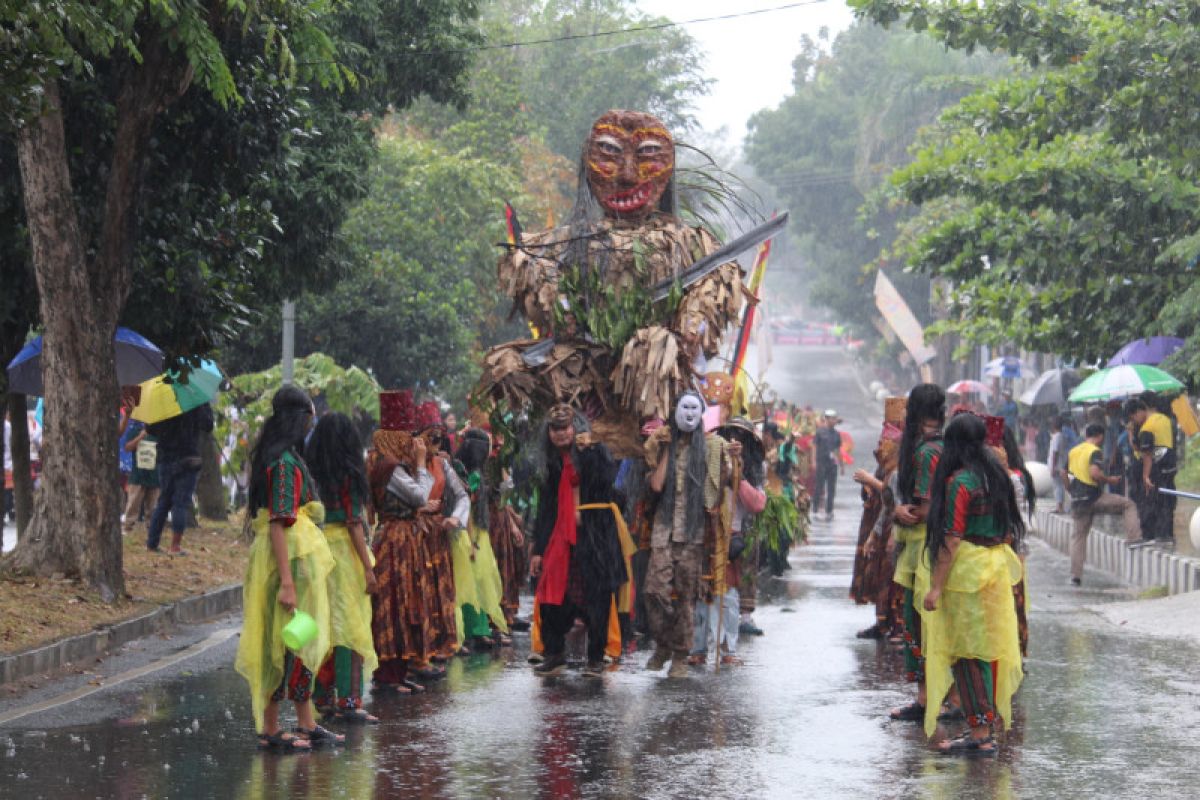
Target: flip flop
966,746
412,687
286,742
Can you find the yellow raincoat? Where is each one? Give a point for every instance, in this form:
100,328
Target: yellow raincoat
261,650
476,580
349,603
976,618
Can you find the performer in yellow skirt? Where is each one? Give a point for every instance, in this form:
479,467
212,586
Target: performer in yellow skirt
288,571
335,457
970,623
478,587
920,449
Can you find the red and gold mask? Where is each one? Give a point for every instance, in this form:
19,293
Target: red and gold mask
630,159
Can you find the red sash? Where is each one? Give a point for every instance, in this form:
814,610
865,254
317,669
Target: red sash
556,561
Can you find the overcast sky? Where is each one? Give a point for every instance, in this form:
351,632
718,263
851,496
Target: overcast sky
750,58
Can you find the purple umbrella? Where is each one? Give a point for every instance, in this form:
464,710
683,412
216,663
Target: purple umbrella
1153,350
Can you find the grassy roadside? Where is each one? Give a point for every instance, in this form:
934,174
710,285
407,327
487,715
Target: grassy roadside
39,610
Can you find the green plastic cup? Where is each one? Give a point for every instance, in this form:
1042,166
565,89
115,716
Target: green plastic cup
300,631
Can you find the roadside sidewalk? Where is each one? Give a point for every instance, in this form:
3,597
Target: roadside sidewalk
81,654
1145,567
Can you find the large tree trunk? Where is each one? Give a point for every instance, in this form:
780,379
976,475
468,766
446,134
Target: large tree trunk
76,527
211,498
22,477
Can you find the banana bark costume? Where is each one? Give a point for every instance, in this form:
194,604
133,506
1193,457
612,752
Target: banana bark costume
616,353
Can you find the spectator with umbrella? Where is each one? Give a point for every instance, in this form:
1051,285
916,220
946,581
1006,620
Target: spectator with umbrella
1154,450
177,412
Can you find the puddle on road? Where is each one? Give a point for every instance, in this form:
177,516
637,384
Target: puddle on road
1102,714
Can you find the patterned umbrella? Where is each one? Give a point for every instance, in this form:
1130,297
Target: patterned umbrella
168,396
1007,367
1124,381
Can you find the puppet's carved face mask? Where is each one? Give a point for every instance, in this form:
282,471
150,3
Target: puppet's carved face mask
630,159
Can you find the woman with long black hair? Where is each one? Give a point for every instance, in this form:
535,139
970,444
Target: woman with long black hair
288,572
920,449
335,458
970,624
1027,500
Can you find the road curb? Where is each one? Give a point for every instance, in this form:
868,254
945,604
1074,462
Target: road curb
53,656
1144,567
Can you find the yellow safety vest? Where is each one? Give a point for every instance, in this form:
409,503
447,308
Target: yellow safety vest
1160,426
1079,463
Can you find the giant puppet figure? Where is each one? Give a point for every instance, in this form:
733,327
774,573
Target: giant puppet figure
626,301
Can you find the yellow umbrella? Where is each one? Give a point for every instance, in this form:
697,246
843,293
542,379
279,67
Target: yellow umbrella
166,396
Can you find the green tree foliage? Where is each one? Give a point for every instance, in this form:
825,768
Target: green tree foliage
241,411
96,97
856,106
422,246
1066,195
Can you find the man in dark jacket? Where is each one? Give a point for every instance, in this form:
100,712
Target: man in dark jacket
577,556
178,468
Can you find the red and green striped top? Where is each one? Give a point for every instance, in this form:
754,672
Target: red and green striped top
925,462
288,488
349,507
969,508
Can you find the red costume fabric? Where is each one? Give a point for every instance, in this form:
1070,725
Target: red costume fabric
556,564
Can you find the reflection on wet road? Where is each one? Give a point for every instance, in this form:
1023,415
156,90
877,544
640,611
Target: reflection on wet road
1102,714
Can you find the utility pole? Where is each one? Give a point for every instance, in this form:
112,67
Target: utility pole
289,341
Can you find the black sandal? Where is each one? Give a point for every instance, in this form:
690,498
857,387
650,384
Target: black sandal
966,745
429,673
950,713
359,716
320,736
413,688
913,712
286,742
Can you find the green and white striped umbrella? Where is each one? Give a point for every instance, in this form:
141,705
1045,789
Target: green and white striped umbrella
1124,381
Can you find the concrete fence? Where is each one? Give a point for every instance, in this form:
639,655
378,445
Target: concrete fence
1145,567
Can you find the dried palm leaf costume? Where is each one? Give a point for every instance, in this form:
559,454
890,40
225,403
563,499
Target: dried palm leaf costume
617,354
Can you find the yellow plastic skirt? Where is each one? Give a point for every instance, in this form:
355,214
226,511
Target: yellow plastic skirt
349,603
261,651
912,537
477,581
976,618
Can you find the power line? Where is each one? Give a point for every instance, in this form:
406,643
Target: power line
636,29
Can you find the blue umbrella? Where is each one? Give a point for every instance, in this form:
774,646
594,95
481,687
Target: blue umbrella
138,359
1153,350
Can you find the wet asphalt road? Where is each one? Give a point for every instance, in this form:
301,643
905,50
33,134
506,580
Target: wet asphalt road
1102,713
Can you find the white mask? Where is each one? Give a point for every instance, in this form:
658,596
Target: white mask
689,412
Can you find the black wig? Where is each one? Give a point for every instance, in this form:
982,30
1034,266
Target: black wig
284,430
926,401
335,458
965,450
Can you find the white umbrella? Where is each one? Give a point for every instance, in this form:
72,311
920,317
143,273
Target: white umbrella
1050,388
